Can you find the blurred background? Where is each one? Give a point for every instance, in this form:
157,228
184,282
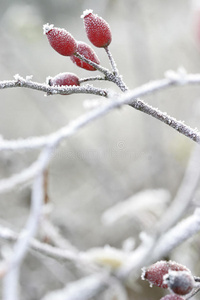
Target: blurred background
115,157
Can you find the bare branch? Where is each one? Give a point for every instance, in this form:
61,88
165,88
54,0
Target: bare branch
11,279
59,254
130,98
98,67
82,289
52,90
54,139
112,61
108,75
184,195
29,173
177,235
151,249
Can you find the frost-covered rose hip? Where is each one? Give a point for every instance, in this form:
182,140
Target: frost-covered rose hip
60,40
172,297
179,282
154,273
87,52
64,79
97,29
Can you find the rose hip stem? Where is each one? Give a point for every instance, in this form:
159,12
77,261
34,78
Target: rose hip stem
108,75
112,61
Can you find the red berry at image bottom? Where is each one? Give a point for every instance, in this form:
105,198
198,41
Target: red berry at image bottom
154,273
179,282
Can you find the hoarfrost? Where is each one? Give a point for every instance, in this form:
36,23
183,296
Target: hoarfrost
47,27
86,12
143,273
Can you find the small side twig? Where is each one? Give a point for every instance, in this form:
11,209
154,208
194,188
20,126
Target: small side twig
112,61
108,75
82,80
101,69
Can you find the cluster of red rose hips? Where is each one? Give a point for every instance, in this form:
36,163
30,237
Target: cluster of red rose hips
98,32
169,274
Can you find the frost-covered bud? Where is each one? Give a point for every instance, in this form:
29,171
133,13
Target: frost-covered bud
154,273
60,40
85,50
61,79
172,297
97,29
179,282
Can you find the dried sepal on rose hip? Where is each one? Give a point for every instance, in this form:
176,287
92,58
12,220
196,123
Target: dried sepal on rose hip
60,40
63,79
172,297
85,50
97,29
179,282
154,273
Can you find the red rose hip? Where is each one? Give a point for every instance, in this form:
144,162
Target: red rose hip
87,52
154,273
60,40
97,29
67,79
179,282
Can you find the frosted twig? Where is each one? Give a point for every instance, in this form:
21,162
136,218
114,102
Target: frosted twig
52,90
11,278
161,244
98,67
177,235
128,98
108,75
112,61
137,258
151,250
82,289
43,248
52,234
29,173
184,195
81,80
